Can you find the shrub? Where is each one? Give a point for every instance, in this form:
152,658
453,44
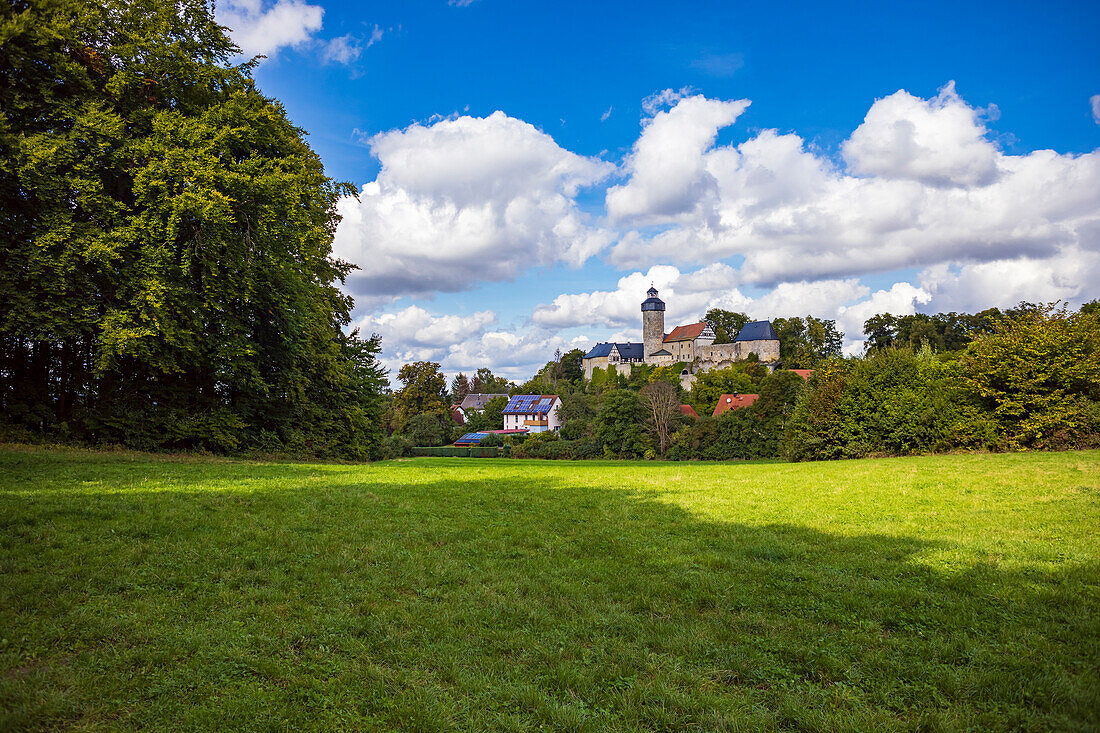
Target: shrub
395,446
1038,374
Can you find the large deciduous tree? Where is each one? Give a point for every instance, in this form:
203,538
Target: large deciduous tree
422,393
167,278
804,343
662,404
726,324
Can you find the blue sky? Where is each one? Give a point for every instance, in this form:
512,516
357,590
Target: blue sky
624,153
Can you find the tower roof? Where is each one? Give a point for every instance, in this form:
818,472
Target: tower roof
652,303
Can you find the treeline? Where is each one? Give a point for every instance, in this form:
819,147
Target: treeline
167,279
1025,378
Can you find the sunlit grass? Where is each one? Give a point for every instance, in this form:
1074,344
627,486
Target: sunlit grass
945,592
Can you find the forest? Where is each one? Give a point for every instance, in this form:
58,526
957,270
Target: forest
167,280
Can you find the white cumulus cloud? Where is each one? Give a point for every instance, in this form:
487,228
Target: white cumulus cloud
348,48
938,142
265,28
668,172
463,201
792,214
463,343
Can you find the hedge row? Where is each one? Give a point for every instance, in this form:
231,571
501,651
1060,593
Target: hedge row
451,451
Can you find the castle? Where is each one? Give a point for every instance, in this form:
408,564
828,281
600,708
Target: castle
693,345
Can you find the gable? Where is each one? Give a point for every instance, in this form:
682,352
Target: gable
691,332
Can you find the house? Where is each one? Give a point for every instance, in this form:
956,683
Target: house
804,373
622,356
733,402
689,411
458,415
477,401
685,343
536,413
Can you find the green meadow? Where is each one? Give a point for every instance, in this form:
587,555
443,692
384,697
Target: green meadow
955,592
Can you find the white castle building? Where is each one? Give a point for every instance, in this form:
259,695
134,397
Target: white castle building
693,345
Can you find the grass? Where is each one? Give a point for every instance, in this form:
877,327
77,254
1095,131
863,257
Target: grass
930,593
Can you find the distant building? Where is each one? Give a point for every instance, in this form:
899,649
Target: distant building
733,402
458,415
535,413
688,410
804,373
691,344
617,355
477,401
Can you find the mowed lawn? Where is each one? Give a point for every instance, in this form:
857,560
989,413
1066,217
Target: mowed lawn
930,593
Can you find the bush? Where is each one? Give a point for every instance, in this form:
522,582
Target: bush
425,429
492,440
1038,375
891,402
395,446
618,426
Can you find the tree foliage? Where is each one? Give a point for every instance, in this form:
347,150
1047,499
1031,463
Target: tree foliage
460,387
167,278
1039,375
806,342
726,324
710,385
485,382
941,331
618,426
422,393
662,404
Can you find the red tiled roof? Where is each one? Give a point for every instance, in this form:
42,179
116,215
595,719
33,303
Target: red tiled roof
804,373
689,410
686,333
733,401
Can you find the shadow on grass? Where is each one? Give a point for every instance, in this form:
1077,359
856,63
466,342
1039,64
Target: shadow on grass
395,602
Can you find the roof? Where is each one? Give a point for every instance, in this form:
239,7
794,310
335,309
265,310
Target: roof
470,439
476,438
689,411
477,401
804,373
733,402
626,351
458,416
662,352
526,404
757,331
689,332
652,303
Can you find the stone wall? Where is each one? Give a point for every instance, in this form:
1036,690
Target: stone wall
718,356
602,362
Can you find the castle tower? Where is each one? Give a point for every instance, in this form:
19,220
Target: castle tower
653,323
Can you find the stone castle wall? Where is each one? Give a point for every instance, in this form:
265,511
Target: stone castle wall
718,356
